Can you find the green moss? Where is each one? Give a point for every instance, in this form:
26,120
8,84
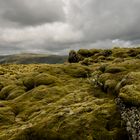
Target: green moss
111,69
102,68
28,81
104,77
4,119
1,86
118,60
85,52
16,93
6,91
16,109
87,61
94,51
6,116
77,70
130,94
121,53
101,58
107,52
109,86
44,79
2,71
133,52
130,91
48,94
84,123
42,101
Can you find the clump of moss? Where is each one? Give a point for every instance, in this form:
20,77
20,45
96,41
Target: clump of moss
6,91
85,52
120,53
111,69
16,109
49,94
2,71
100,58
104,77
106,53
118,60
1,86
5,120
133,52
109,86
94,51
37,79
28,81
77,70
130,89
87,61
102,68
138,56
44,79
16,93
130,95
6,116
110,58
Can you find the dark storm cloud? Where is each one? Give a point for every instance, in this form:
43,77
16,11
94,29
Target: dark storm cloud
60,25
106,19
32,12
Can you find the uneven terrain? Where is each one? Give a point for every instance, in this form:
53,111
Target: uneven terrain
71,101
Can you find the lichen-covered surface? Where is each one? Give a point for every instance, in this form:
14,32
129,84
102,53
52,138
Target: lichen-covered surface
70,101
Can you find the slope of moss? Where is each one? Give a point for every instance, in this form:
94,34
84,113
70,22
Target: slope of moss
69,101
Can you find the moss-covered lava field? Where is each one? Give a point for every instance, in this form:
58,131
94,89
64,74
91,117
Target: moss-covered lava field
71,101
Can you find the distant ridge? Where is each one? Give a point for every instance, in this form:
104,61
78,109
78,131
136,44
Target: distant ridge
29,58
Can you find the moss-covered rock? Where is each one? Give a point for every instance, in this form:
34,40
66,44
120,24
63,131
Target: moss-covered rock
112,69
16,93
6,91
44,79
130,91
121,53
85,52
77,70
87,61
109,86
106,53
28,81
130,94
133,52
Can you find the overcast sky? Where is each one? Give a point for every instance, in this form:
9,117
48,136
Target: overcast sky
57,26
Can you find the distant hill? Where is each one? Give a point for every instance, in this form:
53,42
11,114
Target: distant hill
28,58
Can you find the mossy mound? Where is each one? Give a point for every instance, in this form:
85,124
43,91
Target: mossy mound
131,95
111,69
109,86
77,70
45,79
37,79
130,91
28,80
11,92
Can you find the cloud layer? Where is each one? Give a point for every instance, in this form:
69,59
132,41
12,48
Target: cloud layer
56,26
